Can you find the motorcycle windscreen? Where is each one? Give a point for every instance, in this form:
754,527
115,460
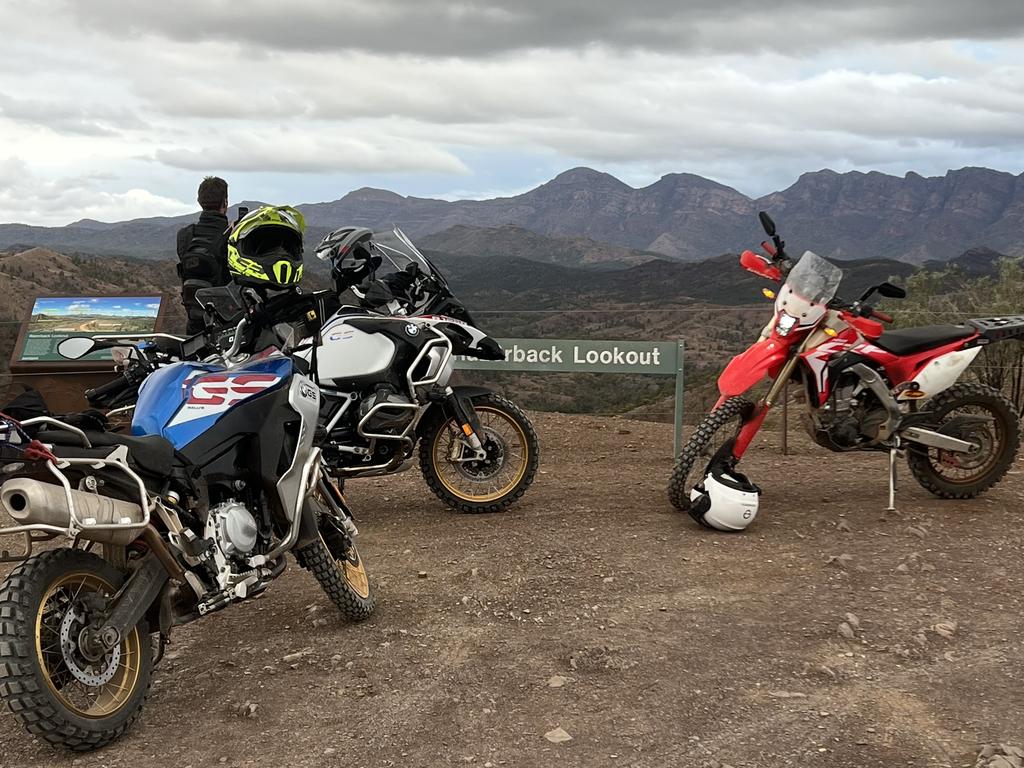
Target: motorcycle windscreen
184,400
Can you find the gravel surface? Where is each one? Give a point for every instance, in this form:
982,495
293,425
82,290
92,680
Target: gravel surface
592,626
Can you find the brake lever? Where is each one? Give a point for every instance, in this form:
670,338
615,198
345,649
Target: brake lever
211,309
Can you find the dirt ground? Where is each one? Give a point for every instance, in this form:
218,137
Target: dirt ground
593,608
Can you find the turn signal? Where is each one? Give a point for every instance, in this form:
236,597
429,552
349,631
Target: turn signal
768,293
468,430
831,332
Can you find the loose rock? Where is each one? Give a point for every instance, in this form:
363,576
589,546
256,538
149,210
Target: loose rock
557,736
839,561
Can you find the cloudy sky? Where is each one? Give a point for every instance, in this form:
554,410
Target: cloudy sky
113,110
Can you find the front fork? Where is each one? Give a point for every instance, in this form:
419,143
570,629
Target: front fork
751,427
465,414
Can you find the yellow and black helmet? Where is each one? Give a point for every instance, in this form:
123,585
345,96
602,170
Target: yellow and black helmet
265,248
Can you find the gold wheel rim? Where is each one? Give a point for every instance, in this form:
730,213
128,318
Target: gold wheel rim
463,486
352,570
91,702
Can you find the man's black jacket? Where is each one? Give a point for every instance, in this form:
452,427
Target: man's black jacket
203,249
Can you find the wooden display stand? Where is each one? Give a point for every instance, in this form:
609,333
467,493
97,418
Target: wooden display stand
61,382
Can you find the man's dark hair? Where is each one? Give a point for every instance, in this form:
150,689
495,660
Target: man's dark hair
213,193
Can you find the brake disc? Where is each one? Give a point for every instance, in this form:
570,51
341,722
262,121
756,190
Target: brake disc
92,674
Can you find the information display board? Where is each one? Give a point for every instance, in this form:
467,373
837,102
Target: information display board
55,318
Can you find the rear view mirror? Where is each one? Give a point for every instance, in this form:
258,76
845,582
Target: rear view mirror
891,291
767,223
76,347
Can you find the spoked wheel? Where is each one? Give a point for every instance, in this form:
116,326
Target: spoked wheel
711,434
490,484
335,563
980,415
55,684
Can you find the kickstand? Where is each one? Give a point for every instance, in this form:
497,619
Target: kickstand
893,453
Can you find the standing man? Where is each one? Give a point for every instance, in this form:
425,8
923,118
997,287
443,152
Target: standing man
203,249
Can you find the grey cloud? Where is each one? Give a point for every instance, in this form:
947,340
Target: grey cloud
65,117
478,28
286,152
25,197
597,106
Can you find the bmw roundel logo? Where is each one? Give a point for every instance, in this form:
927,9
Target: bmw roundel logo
412,329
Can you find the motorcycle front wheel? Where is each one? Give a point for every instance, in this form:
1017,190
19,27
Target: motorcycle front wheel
491,484
720,425
61,692
337,566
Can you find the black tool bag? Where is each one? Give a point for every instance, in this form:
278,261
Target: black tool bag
27,405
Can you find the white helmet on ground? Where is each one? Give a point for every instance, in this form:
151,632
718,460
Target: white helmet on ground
726,500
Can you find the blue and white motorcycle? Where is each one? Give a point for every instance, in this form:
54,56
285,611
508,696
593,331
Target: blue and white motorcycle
196,509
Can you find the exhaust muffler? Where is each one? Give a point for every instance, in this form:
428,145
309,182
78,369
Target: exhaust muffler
31,502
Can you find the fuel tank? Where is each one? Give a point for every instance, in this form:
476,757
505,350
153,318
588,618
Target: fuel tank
349,353
182,401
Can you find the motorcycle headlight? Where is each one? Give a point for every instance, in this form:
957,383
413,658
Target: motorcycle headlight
785,324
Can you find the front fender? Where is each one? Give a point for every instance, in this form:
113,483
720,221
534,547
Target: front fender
308,528
765,358
465,391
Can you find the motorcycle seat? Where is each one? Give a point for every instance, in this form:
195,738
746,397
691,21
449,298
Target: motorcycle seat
150,453
912,340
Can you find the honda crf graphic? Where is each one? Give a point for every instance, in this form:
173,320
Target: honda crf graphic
865,388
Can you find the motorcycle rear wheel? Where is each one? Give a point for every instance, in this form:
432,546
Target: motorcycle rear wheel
721,424
491,485
963,476
57,691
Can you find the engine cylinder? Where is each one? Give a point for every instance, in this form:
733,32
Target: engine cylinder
238,530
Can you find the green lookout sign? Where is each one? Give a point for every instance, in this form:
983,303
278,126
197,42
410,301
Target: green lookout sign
663,358
568,356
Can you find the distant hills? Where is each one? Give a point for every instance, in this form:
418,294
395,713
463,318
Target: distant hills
604,222
519,284
512,242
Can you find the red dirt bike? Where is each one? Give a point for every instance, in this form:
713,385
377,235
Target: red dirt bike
865,388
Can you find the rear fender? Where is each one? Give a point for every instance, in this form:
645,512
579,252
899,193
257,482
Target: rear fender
764,358
941,373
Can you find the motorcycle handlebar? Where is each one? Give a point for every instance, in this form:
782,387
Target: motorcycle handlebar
108,390
861,310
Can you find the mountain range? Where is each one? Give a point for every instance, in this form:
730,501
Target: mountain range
605,222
